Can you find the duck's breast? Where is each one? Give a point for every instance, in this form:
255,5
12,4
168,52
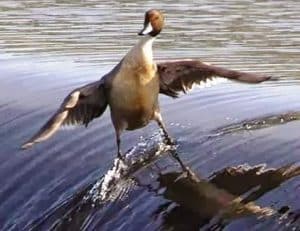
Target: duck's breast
134,95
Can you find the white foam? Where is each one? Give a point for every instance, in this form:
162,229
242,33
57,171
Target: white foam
115,184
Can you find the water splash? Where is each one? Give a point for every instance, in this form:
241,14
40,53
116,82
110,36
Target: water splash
117,182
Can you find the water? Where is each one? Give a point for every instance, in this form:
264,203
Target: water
239,144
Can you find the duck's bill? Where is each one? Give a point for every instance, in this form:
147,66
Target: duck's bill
146,30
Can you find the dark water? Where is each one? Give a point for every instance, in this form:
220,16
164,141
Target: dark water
237,162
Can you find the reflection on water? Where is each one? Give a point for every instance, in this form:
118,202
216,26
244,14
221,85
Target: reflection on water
221,176
219,198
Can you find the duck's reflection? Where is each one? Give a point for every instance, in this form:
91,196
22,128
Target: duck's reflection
192,202
195,201
259,180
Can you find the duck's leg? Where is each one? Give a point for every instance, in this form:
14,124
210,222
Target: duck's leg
159,120
184,168
119,128
118,141
120,125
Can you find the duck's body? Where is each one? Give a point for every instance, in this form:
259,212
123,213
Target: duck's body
133,95
132,88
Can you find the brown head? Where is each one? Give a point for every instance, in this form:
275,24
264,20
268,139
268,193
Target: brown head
153,23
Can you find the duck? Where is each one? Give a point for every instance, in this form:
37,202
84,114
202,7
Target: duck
131,89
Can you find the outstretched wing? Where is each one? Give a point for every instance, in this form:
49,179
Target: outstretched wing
80,107
179,76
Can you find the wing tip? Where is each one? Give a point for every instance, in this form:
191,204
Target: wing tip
26,145
269,78
265,78
274,78
253,78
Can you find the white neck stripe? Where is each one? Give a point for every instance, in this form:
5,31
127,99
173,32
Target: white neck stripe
147,29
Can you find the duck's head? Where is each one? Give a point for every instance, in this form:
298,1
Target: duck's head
153,24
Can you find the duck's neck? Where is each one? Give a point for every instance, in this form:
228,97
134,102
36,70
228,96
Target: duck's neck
141,54
145,46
